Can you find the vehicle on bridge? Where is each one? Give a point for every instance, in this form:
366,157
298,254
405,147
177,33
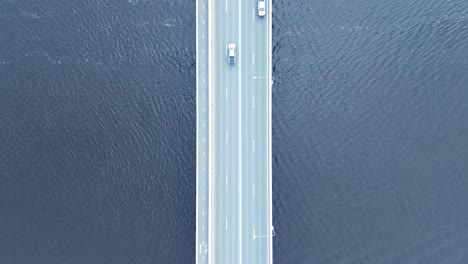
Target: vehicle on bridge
231,53
261,7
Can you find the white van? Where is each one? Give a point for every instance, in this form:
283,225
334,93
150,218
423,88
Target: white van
231,53
261,7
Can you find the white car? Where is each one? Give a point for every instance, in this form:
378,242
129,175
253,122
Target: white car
261,7
231,53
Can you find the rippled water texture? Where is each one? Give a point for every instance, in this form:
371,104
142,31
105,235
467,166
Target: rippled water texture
370,131
97,131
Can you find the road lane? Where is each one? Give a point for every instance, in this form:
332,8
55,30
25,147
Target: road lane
256,227
202,223
248,207
226,124
261,133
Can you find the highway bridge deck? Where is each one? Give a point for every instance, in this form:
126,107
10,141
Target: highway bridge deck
234,214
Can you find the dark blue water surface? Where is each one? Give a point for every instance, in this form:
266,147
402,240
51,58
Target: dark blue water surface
97,131
371,131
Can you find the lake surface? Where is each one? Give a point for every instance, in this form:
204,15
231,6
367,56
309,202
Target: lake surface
97,131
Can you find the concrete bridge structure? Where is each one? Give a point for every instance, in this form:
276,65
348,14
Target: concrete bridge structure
234,177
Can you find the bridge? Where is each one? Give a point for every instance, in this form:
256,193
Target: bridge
234,188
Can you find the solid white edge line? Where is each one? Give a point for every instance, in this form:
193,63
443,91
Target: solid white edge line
197,135
240,134
210,134
270,209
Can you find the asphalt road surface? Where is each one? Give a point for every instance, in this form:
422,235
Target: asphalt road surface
202,133
240,216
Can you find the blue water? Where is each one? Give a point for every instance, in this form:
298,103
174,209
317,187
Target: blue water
371,131
97,131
